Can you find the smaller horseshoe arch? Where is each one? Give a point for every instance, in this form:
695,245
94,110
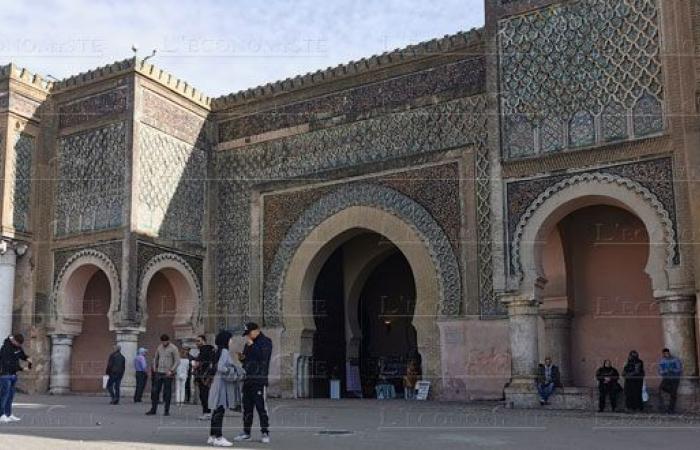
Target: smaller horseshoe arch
183,286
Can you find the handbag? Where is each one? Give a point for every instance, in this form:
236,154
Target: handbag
645,393
233,374
105,380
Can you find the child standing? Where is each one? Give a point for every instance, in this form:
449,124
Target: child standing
183,369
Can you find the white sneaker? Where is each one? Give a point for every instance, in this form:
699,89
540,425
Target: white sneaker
221,442
265,438
14,418
211,440
205,417
242,437
5,419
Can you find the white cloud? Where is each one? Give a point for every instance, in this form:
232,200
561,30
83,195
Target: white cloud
221,46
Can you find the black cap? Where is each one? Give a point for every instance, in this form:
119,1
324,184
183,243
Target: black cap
250,326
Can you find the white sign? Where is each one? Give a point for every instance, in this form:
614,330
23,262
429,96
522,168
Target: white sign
422,388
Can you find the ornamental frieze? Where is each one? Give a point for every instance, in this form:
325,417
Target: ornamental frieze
463,78
105,104
172,119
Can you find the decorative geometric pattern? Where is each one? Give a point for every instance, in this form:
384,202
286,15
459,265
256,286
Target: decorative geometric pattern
614,120
463,78
581,129
91,173
172,186
422,131
552,134
92,108
21,181
113,251
579,56
647,116
654,175
664,216
389,200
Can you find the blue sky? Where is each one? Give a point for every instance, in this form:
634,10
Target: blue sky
221,46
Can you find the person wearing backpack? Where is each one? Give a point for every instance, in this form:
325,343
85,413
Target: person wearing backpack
223,392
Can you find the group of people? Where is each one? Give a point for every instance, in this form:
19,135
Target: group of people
235,382
669,368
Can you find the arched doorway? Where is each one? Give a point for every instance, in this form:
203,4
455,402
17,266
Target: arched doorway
594,261
85,295
93,345
169,298
160,310
363,305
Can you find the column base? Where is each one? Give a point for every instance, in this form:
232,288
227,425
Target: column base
59,391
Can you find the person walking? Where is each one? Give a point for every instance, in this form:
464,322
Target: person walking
223,393
183,370
202,366
11,353
164,368
670,369
608,385
141,370
548,379
116,365
256,364
633,372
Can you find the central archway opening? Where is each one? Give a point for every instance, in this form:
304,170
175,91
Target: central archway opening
364,300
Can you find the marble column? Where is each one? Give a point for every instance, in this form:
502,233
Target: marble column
523,313
678,322
61,346
127,339
557,332
8,263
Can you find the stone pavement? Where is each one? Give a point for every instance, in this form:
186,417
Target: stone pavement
75,422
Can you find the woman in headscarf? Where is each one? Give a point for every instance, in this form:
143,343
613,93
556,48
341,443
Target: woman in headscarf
634,382
608,386
222,394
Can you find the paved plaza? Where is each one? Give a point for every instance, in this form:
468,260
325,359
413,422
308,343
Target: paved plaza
74,422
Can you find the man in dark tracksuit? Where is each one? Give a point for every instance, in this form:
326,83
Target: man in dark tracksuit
256,362
116,366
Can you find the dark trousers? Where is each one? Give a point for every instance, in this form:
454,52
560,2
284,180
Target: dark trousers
669,386
254,397
165,384
188,388
607,390
217,422
633,394
141,378
7,393
113,385
204,396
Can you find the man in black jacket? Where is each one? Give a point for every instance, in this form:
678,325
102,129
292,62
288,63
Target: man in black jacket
548,379
256,363
11,354
116,365
203,364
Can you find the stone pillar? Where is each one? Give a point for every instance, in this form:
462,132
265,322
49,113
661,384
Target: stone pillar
127,339
678,322
523,314
557,328
61,346
8,262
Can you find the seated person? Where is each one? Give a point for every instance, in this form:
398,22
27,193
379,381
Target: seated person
548,379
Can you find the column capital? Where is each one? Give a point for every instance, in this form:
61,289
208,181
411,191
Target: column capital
62,338
676,303
12,247
518,304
